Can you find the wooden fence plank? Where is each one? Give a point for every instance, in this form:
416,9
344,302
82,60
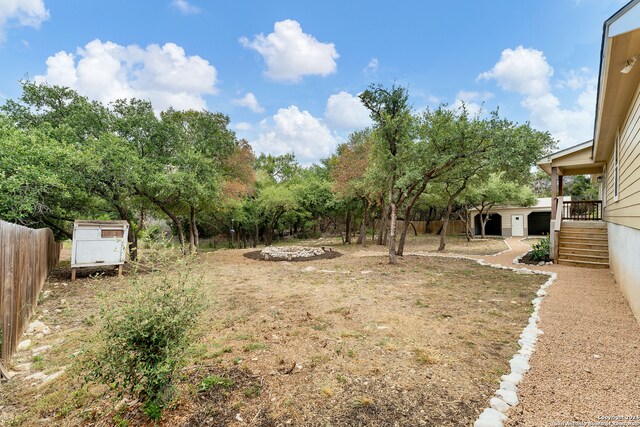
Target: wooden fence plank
27,257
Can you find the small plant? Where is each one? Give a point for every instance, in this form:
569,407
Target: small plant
540,250
252,391
38,362
426,356
215,381
143,338
255,346
152,410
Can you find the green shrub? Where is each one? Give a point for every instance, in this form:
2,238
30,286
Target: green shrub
215,381
540,250
144,334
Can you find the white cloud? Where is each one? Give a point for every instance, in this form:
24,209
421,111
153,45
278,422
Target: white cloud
108,71
290,54
250,101
345,111
473,101
372,67
185,7
298,132
522,70
526,71
244,126
25,13
577,79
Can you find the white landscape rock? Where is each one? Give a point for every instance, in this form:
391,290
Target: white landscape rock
37,327
499,404
491,415
290,252
512,378
24,367
508,396
38,376
24,345
507,385
39,350
53,377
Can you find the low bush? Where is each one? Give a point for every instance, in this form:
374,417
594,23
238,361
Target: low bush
143,337
540,250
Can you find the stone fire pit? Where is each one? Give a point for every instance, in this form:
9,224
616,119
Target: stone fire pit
290,252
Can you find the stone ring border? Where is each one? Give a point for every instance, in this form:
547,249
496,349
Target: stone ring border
506,396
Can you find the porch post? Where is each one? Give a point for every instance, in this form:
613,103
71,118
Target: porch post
554,191
560,182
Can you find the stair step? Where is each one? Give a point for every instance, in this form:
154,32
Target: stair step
588,264
583,235
583,251
584,245
579,257
597,225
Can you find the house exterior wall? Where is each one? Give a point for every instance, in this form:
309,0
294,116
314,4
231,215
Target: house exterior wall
626,209
623,214
624,253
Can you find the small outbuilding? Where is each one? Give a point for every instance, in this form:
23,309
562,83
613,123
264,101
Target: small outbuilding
517,221
98,243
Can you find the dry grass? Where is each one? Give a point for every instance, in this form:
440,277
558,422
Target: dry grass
353,341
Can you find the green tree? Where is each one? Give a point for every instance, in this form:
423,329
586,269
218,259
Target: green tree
391,113
349,175
580,187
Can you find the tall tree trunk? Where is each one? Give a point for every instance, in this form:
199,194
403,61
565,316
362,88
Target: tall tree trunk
403,234
194,239
347,234
467,223
362,238
392,231
483,223
383,222
445,226
256,237
142,220
176,222
407,217
267,236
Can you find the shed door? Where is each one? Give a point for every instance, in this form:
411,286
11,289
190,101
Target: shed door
517,225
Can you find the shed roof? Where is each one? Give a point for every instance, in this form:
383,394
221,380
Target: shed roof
94,222
542,204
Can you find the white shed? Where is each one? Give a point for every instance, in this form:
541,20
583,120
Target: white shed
516,221
98,243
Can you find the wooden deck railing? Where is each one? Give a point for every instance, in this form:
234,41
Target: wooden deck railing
26,258
583,210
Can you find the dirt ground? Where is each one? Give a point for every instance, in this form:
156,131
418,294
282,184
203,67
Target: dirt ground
343,341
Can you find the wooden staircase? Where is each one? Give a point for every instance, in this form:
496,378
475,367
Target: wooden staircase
584,244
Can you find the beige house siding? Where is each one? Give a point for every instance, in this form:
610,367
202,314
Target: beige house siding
626,210
506,213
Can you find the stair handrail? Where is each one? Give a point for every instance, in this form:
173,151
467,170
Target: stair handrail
556,228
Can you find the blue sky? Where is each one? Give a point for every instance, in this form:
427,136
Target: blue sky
287,72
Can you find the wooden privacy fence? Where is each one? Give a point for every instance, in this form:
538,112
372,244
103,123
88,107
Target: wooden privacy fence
26,258
455,226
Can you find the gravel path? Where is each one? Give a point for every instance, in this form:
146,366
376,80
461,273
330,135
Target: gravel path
586,367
